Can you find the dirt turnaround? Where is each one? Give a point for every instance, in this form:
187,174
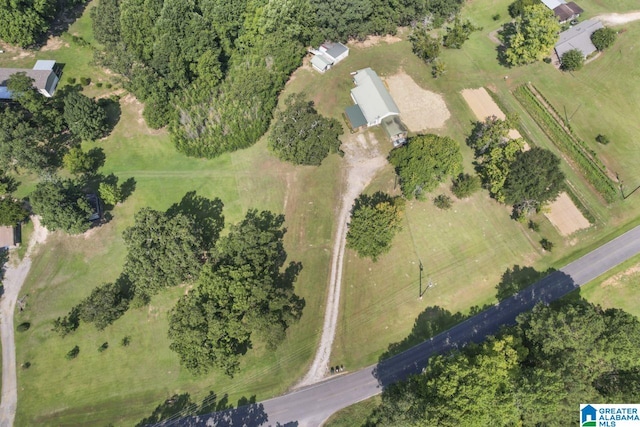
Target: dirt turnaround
14,276
363,160
420,109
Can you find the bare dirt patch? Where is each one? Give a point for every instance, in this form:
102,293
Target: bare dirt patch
374,40
484,106
54,43
565,216
619,18
615,280
420,109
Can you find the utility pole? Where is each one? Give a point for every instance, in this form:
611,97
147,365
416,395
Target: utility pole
421,268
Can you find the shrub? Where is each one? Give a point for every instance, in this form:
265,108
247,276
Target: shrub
71,80
26,365
85,81
103,347
99,84
438,68
465,185
572,60
496,17
24,326
603,38
534,226
73,353
546,244
443,201
108,85
126,341
603,139
547,60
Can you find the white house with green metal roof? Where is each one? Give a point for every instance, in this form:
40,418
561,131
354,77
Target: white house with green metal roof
372,100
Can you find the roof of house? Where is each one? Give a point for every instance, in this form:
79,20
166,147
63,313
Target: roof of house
321,62
7,236
334,50
44,64
43,79
564,12
355,116
552,4
372,96
394,126
578,37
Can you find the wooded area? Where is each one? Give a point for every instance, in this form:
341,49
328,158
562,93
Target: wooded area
212,70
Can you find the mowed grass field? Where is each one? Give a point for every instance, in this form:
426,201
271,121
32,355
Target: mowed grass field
464,250
122,385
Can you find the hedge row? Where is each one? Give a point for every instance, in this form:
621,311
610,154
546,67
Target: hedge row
565,143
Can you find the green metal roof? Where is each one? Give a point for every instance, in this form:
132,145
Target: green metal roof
356,118
372,96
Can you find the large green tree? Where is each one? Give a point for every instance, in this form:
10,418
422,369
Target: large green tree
242,292
85,117
531,36
424,45
162,251
301,135
375,220
12,211
534,178
105,304
62,205
424,162
555,358
572,60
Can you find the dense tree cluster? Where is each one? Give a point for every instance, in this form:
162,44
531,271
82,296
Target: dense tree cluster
24,22
531,36
375,220
212,70
542,369
424,162
241,292
62,205
84,116
105,304
301,135
524,179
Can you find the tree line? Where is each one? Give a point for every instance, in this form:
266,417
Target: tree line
212,70
534,373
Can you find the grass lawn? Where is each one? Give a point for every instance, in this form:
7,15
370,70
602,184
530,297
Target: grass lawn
354,415
124,384
464,250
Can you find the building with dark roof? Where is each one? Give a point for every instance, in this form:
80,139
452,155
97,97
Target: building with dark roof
44,76
567,12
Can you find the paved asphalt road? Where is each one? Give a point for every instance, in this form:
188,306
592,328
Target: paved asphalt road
310,406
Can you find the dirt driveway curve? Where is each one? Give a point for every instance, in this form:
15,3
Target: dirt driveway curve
14,276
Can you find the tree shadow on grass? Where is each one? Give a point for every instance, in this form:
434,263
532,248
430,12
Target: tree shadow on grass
180,410
515,279
113,111
205,213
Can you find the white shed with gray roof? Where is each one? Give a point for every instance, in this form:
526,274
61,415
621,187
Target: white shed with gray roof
578,37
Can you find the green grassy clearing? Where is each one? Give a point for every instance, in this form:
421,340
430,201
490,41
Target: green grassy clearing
122,385
354,415
380,299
